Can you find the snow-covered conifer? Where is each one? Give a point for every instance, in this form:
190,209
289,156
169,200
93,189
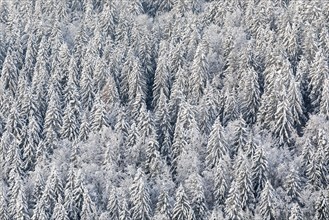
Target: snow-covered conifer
182,208
217,147
140,198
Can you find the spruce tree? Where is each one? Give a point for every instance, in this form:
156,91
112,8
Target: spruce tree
182,208
292,186
88,209
163,207
267,203
283,128
295,213
233,207
113,205
217,147
319,71
71,121
9,74
59,211
140,198
321,206
259,171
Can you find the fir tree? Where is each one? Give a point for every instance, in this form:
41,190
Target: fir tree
283,124
99,115
259,171
295,213
217,147
182,208
221,182
240,136
113,205
251,101
196,191
140,198
233,207
163,207
324,103
321,206
59,211
124,211
88,210
9,74
319,71
267,203
71,121
293,186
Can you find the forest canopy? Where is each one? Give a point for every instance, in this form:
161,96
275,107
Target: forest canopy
164,109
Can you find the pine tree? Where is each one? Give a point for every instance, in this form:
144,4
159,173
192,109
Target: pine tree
259,171
221,182
14,123
267,203
113,205
9,74
145,124
251,99
54,185
292,185
22,212
233,207
121,126
295,213
136,81
40,212
30,57
85,128
4,12
59,211
133,146
240,136
99,115
4,202
196,191
244,185
319,71
162,76
77,198
316,170
140,198
86,86
231,106
88,210
217,147
209,110
39,184
324,103
186,143
71,121
297,104
53,118
153,163
321,206
284,125
182,208
199,72
124,211
110,93
163,207
251,146
29,153
163,126
73,193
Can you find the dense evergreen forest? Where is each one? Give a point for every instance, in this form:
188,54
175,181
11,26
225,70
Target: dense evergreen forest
164,109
